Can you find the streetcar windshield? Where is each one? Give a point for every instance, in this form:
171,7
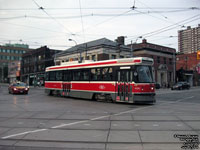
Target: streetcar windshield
142,74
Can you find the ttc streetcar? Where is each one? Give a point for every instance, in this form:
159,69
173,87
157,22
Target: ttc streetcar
128,80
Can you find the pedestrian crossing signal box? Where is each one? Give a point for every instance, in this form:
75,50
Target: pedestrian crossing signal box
198,55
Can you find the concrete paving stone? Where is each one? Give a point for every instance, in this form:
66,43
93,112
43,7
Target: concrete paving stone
121,117
162,146
191,117
90,125
3,119
162,136
15,131
46,115
52,123
82,117
69,135
26,123
26,114
6,143
124,147
160,125
122,125
148,125
195,125
3,130
65,145
13,108
124,136
5,114
160,118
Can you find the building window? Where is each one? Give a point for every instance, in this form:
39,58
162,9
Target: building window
158,59
165,61
113,57
170,61
94,57
39,57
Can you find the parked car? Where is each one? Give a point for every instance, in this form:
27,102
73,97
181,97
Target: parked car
18,88
157,85
180,86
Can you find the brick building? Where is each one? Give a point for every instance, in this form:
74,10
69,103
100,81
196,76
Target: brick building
187,66
34,63
164,60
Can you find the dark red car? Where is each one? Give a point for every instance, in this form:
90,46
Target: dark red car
18,88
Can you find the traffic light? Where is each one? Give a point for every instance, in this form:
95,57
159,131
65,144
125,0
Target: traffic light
198,54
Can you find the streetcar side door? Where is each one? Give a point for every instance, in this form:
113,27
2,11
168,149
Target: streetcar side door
123,85
66,87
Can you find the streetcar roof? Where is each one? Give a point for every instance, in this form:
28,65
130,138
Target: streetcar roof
104,63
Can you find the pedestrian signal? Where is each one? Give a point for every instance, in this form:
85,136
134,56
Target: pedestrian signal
198,54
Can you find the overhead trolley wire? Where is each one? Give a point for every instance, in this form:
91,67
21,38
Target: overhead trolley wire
102,8
170,27
41,8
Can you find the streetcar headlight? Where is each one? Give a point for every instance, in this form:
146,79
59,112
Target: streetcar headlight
15,89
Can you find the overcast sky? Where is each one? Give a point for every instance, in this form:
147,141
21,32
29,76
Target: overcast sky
52,23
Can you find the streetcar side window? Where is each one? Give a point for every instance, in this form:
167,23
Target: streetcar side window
59,75
85,75
76,75
66,75
107,74
52,75
95,74
47,76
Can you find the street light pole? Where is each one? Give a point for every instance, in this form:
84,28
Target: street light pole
77,48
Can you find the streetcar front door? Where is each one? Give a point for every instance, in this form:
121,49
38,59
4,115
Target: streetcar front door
123,86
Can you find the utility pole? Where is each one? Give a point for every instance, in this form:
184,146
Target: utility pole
174,65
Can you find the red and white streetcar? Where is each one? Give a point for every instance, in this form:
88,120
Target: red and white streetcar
128,80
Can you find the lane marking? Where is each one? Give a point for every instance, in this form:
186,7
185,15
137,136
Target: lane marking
23,133
69,124
97,118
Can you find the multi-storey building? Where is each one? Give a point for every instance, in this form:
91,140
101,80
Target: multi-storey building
164,60
14,71
10,53
189,40
101,49
34,63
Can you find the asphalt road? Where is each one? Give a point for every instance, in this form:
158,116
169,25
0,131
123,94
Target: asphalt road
37,121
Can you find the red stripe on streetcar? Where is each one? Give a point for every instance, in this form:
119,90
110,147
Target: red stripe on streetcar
84,65
137,61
